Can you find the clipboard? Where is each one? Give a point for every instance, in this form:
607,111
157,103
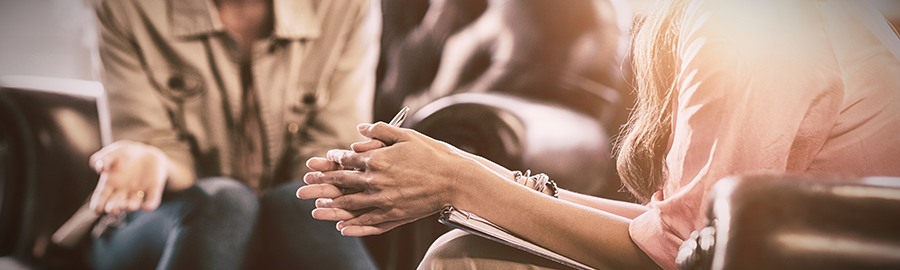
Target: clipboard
476,225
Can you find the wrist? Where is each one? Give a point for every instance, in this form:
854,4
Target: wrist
177,177
473,187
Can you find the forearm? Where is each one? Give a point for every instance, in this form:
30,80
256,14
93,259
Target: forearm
496,168
620,208
587,235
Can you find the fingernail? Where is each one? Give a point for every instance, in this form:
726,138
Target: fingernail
322,203
98,165
340,225
362,127
306,178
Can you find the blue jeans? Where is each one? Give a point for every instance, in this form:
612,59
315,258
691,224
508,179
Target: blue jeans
220,224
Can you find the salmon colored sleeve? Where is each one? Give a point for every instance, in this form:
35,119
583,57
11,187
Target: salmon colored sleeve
757,91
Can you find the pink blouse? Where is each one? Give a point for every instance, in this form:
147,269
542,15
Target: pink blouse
774,86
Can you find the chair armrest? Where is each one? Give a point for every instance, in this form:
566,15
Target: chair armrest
793,222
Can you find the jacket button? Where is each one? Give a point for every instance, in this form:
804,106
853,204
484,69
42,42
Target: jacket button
275,46
176,82
309,99
293,128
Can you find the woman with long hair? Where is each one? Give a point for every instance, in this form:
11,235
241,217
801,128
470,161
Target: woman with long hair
724,88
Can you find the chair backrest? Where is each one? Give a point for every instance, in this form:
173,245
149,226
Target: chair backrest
50,127
571,53
523,134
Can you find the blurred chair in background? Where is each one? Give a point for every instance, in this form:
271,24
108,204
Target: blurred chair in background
537,84
571,53
48,129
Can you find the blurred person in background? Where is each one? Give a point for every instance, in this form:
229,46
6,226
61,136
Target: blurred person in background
216,105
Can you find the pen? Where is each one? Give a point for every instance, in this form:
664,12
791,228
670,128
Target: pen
336,155
398,119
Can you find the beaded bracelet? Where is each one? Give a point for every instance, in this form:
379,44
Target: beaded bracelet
554,189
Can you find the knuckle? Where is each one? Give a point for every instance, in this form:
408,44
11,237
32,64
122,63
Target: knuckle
383,202
347,159
376,162
396,213
371,183
323,178
389,201
335,178
365,219
342,202
379,125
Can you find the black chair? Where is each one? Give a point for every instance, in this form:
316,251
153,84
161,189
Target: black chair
525,58
794,222
50,127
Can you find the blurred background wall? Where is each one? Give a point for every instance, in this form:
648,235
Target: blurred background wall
47,38
57,37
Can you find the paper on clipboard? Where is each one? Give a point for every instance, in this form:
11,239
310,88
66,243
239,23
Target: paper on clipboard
474,224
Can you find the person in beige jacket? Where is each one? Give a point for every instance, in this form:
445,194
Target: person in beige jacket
216,105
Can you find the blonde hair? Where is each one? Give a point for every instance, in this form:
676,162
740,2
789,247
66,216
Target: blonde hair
641,150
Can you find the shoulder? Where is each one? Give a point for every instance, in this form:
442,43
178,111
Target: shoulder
764,31
130,6
752,22
759,51
343,7
339,16
345,3
123,12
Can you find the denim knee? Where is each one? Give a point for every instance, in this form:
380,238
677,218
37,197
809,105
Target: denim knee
226,196
285,197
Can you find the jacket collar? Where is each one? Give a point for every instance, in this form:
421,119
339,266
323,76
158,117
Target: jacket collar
294,19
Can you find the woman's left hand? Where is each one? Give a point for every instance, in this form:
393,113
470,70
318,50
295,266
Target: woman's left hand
414,177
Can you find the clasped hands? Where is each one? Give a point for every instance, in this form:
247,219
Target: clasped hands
396,177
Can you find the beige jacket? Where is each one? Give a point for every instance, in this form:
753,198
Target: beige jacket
173,81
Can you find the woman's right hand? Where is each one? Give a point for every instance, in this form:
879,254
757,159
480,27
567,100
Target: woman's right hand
132,177
412,178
